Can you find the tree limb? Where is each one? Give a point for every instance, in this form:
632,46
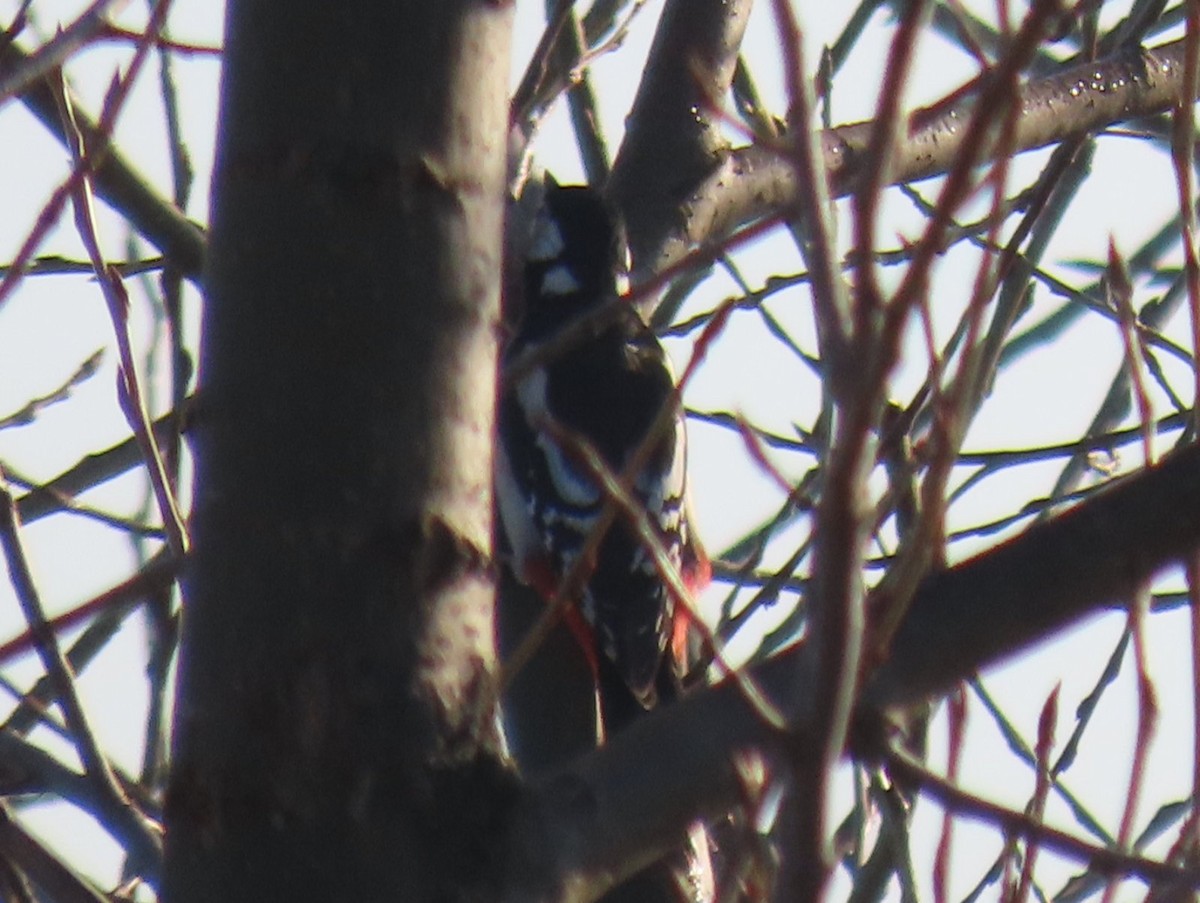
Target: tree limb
757,180
673,138
625,803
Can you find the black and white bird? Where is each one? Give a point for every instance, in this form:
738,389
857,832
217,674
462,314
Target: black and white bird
604,392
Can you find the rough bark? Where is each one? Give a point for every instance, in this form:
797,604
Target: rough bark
334,738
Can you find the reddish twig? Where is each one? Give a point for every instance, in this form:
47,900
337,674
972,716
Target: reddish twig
155,574
160,41
1037,806
84,163
956,720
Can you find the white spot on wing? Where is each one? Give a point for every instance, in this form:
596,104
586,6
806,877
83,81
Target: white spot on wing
663,491
579,523
587,606
531,394
515,515
621,279
624,263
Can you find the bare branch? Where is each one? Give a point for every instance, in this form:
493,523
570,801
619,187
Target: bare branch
757,180
58,882
672,140
155,218
623,805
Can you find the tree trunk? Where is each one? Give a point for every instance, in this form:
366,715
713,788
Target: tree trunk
334,736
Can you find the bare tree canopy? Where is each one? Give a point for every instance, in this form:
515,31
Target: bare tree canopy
969,447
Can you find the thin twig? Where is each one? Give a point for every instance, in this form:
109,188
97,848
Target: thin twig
1104,860
148,850
51,55
128,387
32,408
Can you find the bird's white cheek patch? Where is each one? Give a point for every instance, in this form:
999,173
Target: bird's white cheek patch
569,485
547,240
559,281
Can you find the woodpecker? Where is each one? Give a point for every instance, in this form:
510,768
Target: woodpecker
604,391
